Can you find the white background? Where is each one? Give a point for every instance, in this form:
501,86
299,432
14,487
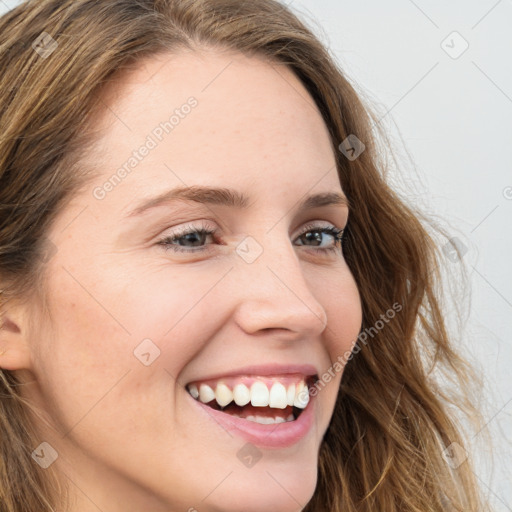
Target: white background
453,118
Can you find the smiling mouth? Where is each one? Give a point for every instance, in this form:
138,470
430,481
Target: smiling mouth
265,400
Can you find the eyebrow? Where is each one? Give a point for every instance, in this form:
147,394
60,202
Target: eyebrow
230,197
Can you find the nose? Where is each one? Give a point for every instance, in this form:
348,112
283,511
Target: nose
274,294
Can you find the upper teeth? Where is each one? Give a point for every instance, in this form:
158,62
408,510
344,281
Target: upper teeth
278,396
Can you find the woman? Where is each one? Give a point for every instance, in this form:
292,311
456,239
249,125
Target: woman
168,340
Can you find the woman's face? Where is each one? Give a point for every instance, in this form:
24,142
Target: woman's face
258,304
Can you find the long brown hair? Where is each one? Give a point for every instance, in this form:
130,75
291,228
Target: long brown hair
385,448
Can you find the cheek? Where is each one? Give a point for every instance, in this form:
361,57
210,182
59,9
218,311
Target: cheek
89,378
84,335
81,354
103,322
100,317
178,310
342,303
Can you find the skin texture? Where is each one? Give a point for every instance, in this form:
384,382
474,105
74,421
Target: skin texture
129,437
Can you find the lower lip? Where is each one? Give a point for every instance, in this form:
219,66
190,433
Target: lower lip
274,435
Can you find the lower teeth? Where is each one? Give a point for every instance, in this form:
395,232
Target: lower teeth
237,412
265,420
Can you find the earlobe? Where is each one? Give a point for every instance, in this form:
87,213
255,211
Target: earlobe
14,347
15,359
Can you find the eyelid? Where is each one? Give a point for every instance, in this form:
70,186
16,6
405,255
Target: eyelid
185,228
316,225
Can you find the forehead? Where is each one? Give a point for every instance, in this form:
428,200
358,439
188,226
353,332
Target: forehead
252,120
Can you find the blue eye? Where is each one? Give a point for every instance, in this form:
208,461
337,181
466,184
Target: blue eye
197,236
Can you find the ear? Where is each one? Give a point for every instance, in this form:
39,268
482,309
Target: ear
15,351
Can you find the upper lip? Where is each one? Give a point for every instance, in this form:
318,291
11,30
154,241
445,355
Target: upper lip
307,370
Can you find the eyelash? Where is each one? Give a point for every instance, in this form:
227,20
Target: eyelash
169,241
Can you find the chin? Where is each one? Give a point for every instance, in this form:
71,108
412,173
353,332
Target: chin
269,488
